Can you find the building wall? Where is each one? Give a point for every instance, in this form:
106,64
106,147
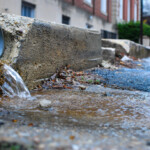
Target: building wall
94,8
80,12
10,6
79,18
125,10
114,11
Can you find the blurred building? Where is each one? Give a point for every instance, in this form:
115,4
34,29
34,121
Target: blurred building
99,15
146,11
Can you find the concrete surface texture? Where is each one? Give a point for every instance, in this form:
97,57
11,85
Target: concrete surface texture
36,49
108,54
127,47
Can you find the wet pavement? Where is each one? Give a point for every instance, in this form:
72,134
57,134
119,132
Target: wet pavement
98,118
79,119
127,78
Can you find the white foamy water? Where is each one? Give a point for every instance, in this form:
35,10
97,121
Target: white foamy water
14,85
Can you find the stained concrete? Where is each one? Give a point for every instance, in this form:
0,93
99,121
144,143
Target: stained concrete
127,47
108,54
36,49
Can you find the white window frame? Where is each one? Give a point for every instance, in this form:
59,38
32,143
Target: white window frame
121,9
135,12
89,2
104,6
129,11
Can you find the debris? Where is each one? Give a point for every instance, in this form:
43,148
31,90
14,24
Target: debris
30,124
14,120
108,65
139,64
69,79
82,87
126,58
72,137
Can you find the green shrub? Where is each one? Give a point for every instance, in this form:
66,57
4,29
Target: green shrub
131,31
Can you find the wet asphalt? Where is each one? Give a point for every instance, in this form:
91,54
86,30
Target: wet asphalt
126,78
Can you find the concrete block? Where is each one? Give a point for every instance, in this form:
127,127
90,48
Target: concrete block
36,49
120,46
108,54
139,51
127,47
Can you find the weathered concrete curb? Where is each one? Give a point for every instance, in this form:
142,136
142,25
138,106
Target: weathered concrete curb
36,49
127,47
108,54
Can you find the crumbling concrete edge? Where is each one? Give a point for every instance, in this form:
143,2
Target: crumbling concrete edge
36,49
127,47
15,29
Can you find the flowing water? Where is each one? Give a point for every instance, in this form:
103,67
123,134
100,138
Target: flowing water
99,117
14,85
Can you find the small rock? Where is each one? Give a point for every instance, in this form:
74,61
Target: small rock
36,140
45,103
82,87
75,82
106,94
148,143
41,147
2,122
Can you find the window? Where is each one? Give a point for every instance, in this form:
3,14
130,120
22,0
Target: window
128,11
28,10
65,19
121,10
88,2
108,35
135,12
104,6
89,26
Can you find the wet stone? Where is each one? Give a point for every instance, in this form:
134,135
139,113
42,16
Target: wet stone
45,103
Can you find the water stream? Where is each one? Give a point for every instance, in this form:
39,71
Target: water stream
14,85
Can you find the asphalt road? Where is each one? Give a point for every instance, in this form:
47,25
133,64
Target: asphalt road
126,78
